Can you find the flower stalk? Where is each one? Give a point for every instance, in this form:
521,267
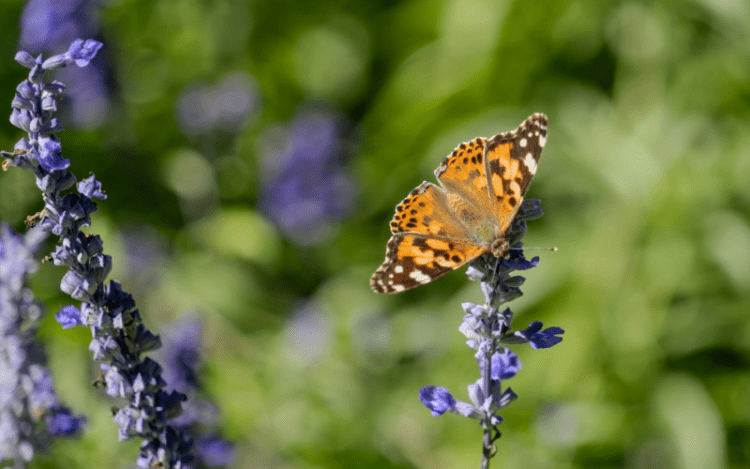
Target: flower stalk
489,331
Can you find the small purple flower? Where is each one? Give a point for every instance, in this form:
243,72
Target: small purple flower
544,339
69,316
81,52
50,154
91,188
516,261
437,399
505,365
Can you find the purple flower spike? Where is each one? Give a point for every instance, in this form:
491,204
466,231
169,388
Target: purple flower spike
488,329
119,337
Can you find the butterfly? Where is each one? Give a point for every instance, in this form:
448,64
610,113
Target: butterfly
437,229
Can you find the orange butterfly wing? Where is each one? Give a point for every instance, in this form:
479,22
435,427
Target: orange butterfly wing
439,229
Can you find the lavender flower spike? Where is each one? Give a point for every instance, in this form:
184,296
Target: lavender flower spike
119,336
487,329
31,414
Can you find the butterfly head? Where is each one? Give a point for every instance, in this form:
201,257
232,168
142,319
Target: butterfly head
499,247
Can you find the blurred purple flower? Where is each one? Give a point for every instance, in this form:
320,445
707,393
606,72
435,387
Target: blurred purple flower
307,190
31,414
308,333
145,254
215,451
63,423
181,356
50,25
225,106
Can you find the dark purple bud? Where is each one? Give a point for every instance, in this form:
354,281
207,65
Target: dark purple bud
544,339
506,398
518,262
531,209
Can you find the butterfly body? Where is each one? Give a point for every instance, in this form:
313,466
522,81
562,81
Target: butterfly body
437,229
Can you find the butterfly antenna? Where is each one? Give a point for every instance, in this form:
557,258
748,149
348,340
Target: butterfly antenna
533,249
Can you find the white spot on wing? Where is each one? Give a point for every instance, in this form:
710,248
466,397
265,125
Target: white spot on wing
523,143
398,269
530,163
542,140
398,288
419,276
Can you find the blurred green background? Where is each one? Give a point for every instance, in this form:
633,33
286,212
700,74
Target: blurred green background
644,183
